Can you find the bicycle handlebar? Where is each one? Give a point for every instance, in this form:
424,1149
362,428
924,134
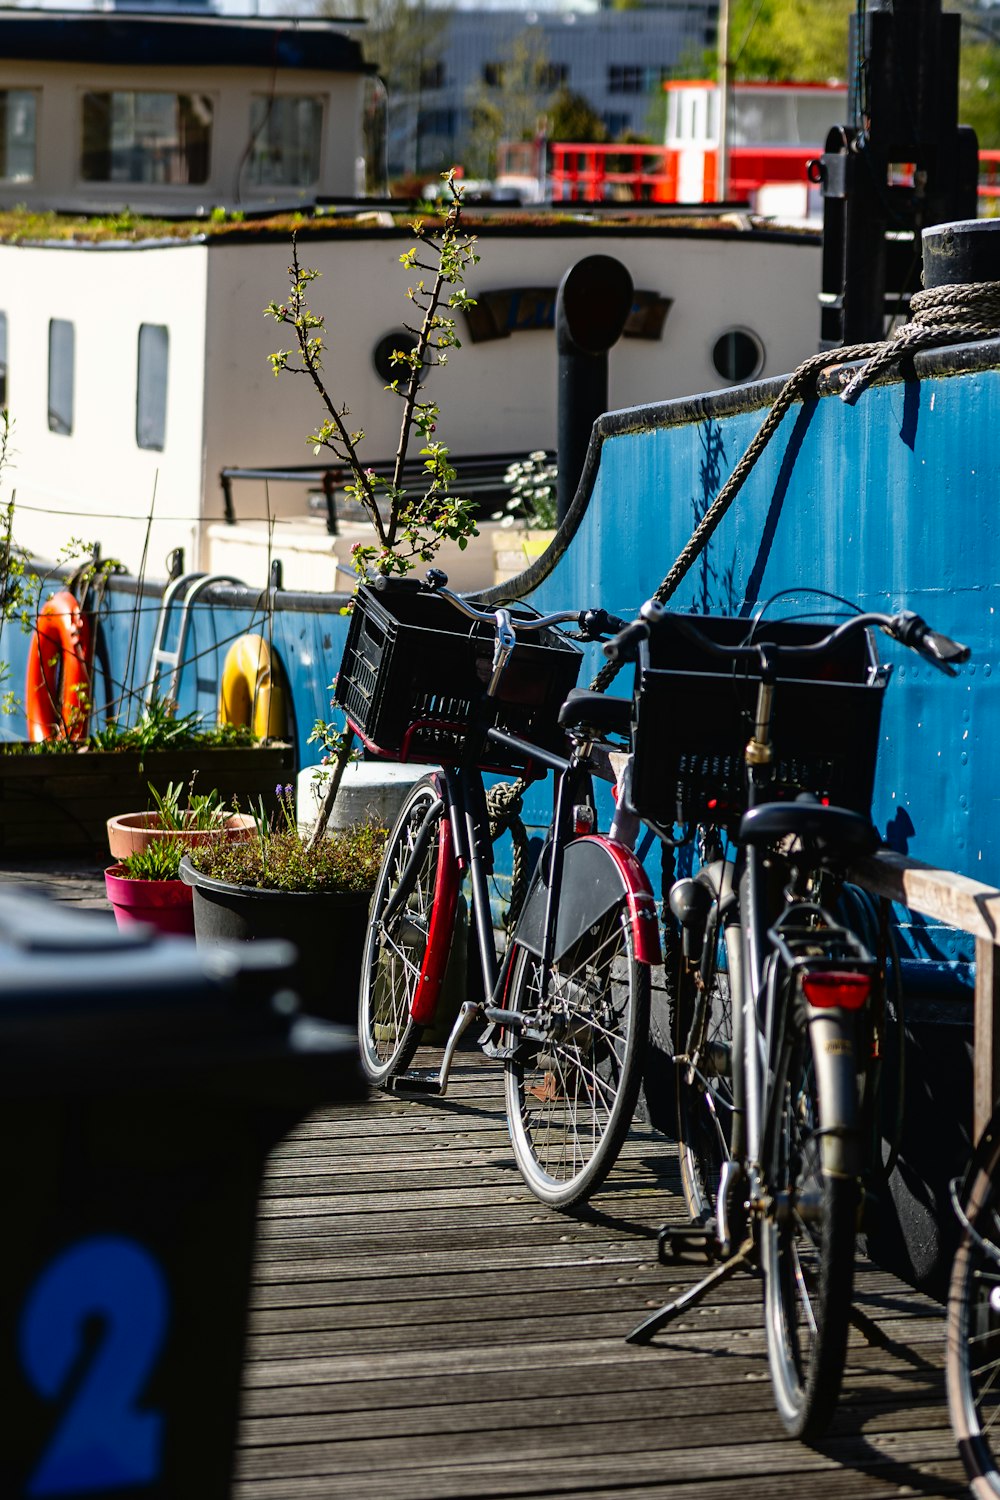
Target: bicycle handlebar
906,627
593,622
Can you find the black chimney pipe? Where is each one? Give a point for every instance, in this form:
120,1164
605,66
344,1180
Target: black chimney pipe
592,304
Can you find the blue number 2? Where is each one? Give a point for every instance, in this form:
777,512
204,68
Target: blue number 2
103,1441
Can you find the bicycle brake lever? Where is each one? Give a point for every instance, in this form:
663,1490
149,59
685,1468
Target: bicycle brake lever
940,650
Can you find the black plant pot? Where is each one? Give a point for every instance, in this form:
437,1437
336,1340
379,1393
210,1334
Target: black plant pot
326,927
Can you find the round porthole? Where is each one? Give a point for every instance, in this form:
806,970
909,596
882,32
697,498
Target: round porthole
383,351
738,355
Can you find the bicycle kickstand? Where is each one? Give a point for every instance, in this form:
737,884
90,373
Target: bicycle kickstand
693,1295
424,1081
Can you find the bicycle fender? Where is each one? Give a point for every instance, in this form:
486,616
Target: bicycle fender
835,1058
597,874
441,929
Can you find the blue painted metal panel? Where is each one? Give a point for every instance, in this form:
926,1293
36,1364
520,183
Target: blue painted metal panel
890,504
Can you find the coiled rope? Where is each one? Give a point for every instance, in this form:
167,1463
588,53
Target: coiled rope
940,315
503,804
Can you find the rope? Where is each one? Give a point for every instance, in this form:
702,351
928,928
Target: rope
941,315
503,804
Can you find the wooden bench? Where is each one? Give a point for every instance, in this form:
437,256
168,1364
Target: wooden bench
970,906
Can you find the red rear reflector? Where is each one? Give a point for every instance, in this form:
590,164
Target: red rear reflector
832,987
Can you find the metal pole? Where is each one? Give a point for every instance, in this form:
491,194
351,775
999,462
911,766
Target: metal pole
722,162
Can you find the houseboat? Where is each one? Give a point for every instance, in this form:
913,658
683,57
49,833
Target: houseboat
153,169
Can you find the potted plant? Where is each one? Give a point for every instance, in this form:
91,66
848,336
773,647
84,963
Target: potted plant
58,795
204,817
145,887
528,518
61,784
282,883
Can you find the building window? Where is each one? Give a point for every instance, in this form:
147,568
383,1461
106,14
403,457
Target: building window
3,359
616,123
432,75
151,138
436,122
493,75
626,78
151,386
738,355
61,359
17,134
287,134
551,75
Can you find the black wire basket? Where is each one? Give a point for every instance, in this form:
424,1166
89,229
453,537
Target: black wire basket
414,670
694,713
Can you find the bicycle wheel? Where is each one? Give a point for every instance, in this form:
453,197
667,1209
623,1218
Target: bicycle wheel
570,1098
704,1056
973,1339
807,1253
394,963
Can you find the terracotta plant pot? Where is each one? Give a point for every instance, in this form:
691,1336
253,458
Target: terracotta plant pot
163,904
133,833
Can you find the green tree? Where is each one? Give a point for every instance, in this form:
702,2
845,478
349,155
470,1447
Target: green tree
510,108
572,117
979,79
404,41
804,40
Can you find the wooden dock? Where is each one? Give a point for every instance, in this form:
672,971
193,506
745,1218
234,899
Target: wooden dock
421,1328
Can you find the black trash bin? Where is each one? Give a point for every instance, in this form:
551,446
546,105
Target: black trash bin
142,1084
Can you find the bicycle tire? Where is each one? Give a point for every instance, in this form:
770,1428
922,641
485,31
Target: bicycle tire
570,1101
973,1327
704,1069
807,1259
393,959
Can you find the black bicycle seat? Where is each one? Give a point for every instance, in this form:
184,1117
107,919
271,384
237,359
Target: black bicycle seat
813,822
597,711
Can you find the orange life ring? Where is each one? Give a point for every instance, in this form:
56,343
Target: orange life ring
57,681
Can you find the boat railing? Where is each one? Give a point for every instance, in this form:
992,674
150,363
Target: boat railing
970,906
480,479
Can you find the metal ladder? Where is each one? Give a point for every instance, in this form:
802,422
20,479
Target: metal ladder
186,588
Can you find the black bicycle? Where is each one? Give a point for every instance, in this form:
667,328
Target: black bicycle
973,1332
762,739
429,677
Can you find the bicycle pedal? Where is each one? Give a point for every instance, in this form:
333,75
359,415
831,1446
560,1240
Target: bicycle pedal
415,1082
675,1241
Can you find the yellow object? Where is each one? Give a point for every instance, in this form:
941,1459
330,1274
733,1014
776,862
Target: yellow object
253,688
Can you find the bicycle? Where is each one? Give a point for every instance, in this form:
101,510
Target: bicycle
566,1007
777,1003
973,1328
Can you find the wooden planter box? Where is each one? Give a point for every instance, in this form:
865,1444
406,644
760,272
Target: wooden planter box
60,804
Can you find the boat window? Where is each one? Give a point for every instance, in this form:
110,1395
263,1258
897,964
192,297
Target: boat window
738,355
383,361
17,134
3,359
151,386
62,337
146,137
286,135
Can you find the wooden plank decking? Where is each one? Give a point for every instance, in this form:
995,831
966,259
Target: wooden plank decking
421,1328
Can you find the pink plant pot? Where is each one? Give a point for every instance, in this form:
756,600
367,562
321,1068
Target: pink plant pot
132,833
163,904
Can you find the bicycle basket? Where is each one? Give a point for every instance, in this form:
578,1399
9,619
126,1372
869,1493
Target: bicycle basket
694,714
414,668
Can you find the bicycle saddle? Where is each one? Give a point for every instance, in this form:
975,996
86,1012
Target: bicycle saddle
812,822
598,711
